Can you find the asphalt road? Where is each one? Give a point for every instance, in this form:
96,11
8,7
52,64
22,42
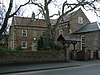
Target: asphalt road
92,69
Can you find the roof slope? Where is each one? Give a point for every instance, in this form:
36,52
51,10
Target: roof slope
91,27
26,21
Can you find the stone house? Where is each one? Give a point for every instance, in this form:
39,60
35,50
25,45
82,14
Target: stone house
90,36
76,20
81,35
85,34
24,32
70,23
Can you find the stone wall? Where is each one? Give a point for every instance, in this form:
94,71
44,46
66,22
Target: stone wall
9,57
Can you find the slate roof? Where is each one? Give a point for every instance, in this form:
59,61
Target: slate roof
91,27
68,39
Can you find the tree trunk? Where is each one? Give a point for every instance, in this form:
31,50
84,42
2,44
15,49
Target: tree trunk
6,19
47,19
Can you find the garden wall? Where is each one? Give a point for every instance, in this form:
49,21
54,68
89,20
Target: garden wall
9,57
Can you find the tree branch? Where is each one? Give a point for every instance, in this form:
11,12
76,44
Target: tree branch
75,5
39,12
49,2
63,6
18,9
40,6
54,15
59,19
6,18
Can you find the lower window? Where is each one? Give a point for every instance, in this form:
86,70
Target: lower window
24,44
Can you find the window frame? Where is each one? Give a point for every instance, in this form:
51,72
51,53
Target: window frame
80,20
60,32
22,46
24,34
82,42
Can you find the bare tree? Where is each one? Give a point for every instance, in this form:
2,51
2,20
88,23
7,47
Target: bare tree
43,8
86,4
66,8
20,11
9,14
2,12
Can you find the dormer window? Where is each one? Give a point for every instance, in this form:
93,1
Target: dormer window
80,20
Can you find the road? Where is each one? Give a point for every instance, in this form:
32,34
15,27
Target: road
92,69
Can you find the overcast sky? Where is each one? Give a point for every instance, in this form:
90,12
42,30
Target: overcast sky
29,9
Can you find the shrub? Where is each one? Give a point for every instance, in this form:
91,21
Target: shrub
3,49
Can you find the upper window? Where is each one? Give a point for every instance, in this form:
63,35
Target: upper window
24,33
80,20
34,33
60,32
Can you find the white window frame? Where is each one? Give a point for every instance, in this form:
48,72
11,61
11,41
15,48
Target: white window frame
60,32
82,42
80,20
23,47
25,33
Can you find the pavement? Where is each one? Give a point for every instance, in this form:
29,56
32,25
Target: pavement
7,69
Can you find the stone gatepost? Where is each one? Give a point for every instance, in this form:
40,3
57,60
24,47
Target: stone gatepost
91,54
67,55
